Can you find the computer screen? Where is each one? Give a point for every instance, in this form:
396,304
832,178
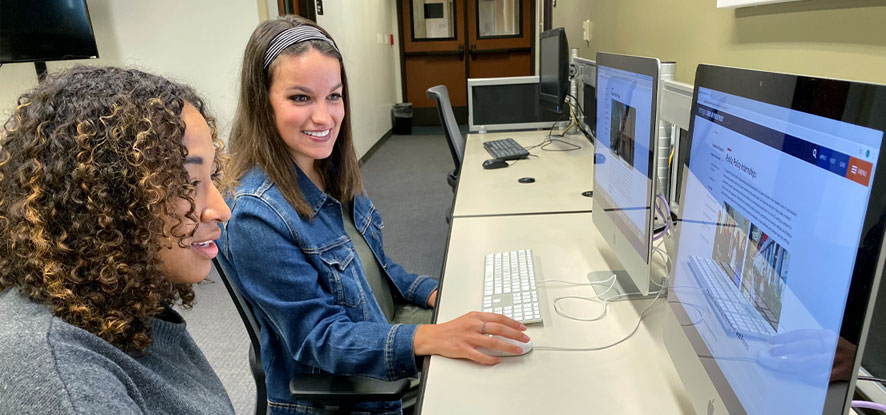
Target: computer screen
508,103
46,30
779,245
553,68
627,102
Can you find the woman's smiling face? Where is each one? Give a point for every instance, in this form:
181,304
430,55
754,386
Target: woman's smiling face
306,96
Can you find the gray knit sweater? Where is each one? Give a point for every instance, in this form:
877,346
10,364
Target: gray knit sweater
48,366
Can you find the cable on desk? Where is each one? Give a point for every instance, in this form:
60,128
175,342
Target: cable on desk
548,140
612,280
573,147
622,340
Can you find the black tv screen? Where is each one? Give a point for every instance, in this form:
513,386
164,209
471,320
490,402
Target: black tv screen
45,30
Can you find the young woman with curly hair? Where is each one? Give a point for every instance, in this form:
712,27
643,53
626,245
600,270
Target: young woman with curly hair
305,242
107,217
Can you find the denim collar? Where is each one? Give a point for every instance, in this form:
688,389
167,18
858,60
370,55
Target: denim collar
312,194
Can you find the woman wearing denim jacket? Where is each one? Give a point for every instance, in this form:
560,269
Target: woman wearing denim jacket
304,243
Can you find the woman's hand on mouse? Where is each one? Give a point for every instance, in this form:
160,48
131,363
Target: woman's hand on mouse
461,337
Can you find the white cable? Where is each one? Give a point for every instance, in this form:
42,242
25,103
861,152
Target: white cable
579,283
591,349
612,280
596,297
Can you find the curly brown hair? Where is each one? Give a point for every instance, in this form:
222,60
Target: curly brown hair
91,162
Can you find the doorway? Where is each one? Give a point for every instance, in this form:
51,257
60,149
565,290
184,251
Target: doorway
448,41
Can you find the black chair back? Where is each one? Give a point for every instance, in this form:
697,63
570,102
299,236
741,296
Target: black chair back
254,332
335,393
440,94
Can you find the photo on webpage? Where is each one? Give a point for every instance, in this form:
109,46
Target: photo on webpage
730,240
766,272
622,131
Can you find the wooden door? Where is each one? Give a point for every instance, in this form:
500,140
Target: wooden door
448,41
500,38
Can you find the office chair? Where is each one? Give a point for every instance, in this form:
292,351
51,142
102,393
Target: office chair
332,391
440,94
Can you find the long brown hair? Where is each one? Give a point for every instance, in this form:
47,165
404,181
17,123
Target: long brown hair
91,165
255,141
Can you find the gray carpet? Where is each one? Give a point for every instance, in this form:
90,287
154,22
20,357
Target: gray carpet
406,179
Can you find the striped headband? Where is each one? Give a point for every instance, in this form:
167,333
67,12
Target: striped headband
292,36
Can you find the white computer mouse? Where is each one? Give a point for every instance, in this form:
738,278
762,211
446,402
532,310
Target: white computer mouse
525,346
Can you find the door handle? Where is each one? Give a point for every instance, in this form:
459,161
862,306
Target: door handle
474,51
461,52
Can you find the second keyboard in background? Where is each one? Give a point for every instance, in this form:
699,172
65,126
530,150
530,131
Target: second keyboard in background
505,149
509,286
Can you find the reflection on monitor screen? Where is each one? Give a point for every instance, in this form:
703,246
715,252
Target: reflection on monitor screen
623,187
775,198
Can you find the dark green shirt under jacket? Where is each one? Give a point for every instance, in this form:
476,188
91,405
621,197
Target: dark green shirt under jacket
395,311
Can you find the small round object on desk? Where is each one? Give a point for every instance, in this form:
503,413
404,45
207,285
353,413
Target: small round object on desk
526,180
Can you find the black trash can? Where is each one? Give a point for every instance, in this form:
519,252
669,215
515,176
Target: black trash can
401,118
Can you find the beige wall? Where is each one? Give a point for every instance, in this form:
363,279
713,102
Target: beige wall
833,38
356,26
201,43
198,42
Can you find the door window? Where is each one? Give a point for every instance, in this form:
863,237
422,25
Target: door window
433,19
498,18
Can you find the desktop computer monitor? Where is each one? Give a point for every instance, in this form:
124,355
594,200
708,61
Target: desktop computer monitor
624,189
553,68
508,103
780,245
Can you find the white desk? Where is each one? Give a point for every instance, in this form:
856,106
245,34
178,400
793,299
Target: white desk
560,178
635,377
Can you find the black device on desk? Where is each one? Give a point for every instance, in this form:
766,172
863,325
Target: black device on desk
494,164
505,149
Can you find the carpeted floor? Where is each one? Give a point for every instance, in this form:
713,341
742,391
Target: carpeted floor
406,180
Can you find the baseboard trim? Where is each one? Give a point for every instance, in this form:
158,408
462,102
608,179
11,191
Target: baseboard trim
375,147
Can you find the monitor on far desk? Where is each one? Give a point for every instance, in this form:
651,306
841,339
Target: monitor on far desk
780,246
508,103
624,189
553,67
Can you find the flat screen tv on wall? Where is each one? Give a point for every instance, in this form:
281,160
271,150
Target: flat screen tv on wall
45,30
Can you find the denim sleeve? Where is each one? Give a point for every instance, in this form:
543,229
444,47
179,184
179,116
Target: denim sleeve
280,282
415,288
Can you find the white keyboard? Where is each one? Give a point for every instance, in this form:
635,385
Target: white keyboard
509,286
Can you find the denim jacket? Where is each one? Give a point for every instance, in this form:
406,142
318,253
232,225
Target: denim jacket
307,286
